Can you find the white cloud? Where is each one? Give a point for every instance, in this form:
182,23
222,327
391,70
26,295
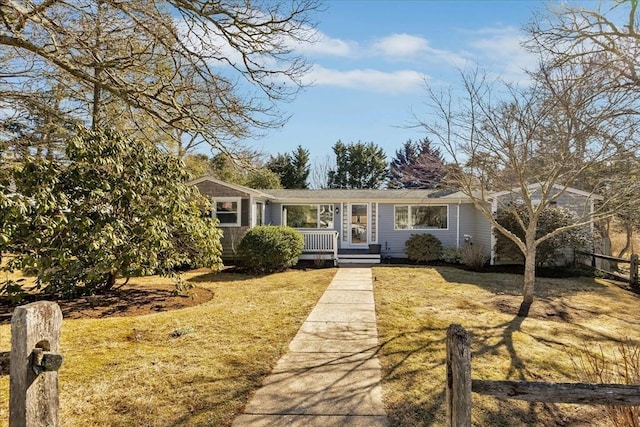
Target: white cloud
395,82
324,45
401,45
414,49
500,50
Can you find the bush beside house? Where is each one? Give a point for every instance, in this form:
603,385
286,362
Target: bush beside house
270,248
423,248
549,252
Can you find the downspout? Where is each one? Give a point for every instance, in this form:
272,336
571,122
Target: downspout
458,227
494,211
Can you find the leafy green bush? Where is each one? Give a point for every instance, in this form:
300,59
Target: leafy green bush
269,248
550,219
423,248
116,207
451,255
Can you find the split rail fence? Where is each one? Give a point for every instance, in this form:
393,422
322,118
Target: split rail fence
609,265
459,385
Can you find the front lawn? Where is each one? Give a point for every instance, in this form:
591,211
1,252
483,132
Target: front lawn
415,305
195,366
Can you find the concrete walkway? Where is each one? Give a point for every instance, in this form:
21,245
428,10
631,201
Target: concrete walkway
331,375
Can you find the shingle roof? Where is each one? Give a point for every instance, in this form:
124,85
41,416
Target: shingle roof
351,195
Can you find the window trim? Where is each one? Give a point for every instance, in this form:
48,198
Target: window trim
317,205
409,206
238,213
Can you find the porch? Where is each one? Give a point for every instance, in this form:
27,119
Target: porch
323,245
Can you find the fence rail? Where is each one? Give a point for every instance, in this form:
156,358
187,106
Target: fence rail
459,385
632,276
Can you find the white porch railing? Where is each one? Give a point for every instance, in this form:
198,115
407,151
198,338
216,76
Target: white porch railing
320,242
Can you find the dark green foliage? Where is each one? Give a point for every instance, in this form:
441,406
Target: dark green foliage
270,248
292,168
117,207
417,165
358,165
423,248
262,178
550,220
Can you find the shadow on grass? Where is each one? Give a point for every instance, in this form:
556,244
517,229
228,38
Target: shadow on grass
511,284
223,277
429,409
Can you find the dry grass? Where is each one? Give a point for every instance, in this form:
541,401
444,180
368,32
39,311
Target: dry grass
618,240
416,305
624,368
196,366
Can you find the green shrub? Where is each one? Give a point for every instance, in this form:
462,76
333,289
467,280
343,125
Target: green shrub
550,219
423,248
269,248
451,255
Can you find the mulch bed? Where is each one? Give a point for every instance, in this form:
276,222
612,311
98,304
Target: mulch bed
130,300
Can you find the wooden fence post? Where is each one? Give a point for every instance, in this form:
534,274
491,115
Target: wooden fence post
33,365
458,384
633,271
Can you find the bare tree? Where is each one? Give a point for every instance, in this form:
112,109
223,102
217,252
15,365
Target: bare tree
320,172
607,36
531,144
185,72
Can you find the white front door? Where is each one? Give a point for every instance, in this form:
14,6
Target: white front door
359,224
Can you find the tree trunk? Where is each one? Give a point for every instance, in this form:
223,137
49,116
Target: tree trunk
109,282
529,278
628,226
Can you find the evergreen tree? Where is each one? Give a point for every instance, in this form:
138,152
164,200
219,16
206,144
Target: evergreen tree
292,168
417,165
358,165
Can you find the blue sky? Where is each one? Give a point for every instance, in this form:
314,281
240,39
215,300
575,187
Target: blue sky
373,58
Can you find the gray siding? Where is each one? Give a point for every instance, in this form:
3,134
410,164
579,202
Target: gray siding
483,230
579,204
393,241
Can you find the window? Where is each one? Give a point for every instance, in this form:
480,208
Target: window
227,210
308,216
420,217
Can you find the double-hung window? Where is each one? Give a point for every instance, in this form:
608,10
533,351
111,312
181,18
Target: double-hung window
227,210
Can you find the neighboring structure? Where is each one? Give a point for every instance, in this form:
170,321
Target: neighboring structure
580,203
350,225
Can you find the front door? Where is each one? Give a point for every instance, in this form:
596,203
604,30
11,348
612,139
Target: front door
359,224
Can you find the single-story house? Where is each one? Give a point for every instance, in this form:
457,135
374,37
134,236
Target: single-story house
355,225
